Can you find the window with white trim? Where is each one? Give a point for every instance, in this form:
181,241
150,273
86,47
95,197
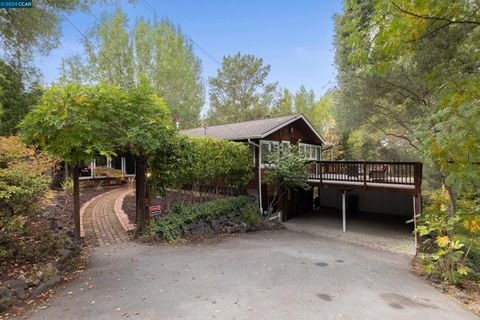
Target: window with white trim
266,147
311,151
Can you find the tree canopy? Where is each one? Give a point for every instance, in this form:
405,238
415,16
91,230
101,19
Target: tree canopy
35,30
409,70
17,98
72,121
239,91
77,122
155,52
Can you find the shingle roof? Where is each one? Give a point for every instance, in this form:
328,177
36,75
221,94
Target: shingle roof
247,129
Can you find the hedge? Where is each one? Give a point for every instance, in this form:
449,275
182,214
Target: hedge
192,162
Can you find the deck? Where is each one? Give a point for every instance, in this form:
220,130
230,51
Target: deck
368,175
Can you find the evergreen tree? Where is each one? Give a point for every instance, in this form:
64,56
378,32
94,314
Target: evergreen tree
239,91
16,98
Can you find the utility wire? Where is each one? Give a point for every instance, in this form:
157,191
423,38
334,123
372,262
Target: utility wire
92,44
168,24
205,52
177,30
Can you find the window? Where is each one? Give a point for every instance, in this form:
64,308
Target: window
101,161
312,152
266,147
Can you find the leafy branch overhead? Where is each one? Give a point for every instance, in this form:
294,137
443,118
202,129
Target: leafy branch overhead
150,52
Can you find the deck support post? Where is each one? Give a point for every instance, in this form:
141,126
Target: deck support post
417,210
344,211
76,202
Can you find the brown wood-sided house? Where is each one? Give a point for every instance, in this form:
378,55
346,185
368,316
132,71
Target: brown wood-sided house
385,187
263,135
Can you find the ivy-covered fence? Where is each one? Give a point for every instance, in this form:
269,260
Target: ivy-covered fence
194,170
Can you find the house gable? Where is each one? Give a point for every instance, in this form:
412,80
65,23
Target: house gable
294,132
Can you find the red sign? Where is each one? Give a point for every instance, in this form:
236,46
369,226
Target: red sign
154,210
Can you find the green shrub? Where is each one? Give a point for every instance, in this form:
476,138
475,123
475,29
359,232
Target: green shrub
251,216
23,185
449,242
20,190
67,186
172,227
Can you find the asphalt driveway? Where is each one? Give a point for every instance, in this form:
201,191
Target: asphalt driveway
267,275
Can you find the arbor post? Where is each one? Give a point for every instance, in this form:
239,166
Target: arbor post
76,201
141,191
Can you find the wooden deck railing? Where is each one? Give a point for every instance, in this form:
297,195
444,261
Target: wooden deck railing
365,172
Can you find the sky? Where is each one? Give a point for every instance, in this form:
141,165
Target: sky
294,37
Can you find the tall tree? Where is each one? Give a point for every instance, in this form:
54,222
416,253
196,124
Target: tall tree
304,101
284,105
17,98
156,51
410,70
240,91
114,61
37,30
323,118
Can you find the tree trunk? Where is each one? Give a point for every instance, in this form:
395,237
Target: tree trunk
451,195
141,192
136,193
76,201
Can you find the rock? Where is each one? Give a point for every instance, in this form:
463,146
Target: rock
19,286
45,286
66,253
198,229
59,225
6,298
31,279
216,225
46,272
69,244
463,297
242,228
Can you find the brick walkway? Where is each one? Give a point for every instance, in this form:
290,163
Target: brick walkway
100,221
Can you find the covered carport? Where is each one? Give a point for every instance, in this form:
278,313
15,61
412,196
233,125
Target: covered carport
362,208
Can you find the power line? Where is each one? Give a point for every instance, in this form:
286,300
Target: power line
205,52
92,44
166,23
177,30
